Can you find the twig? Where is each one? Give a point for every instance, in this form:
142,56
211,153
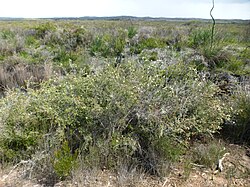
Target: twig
197,165
219,165
221,160
17,165
212,32
165,182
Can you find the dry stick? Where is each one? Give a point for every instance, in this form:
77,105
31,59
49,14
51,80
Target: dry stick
165,182
219,165
17,165
212,32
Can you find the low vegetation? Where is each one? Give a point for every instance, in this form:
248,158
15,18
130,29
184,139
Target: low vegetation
121,97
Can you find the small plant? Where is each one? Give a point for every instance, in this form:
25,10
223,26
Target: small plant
200,38
132,31
152,43
31,40
201,41
235,66
148,56
146,43
162,154
96,45
10,45
64,161
238,128
187,167
153,56
208,155
108,46
44,29
7,35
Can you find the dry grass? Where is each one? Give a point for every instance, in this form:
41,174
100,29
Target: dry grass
236,172
15,73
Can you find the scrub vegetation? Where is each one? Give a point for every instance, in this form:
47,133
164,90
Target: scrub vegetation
125,100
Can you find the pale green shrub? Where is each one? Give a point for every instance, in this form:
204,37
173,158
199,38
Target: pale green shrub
118,111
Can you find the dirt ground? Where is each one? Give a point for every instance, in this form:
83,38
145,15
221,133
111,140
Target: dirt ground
236,172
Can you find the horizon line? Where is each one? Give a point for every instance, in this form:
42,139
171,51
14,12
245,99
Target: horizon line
140,17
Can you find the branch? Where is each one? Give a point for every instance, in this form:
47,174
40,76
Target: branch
212,34
219,165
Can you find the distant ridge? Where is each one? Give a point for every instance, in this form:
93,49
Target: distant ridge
9,19
134,18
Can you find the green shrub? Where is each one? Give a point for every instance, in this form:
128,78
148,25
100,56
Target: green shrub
132,31
201,41
138,113
10,43
200,38
64,162
148,56
168,148
108,45
118,111
7,34
96,45
17,142
72,39
235,66
147,43
237,129
239,64
43,29
82,37
32,41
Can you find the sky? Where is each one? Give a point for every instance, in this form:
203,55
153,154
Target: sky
224,9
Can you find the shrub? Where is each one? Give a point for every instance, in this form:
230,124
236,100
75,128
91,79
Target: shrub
235,66
237,129
146,43
17,142
148,56
132,31
124,113
43,29
7,35
72,39
208,155
31,40
10,43
239,64
108,45
6,49
64,162
201,40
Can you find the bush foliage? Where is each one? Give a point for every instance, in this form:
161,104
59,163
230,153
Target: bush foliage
124,109
113,93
